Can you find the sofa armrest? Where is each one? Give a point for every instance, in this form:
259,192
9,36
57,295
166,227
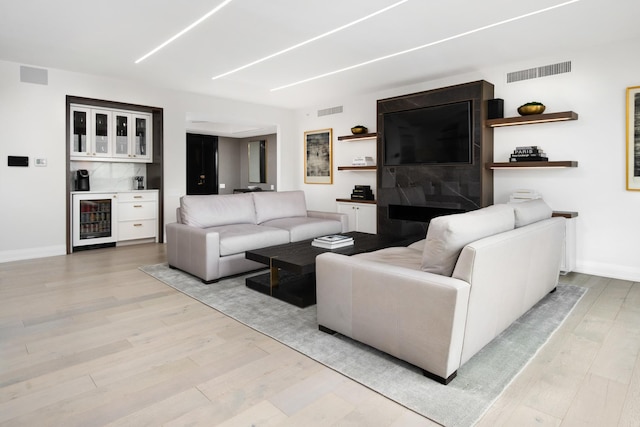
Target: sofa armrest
337,216
508,273
413,315
194,250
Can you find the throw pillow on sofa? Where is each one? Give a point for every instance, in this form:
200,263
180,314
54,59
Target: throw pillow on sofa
447,235
220,209
281,204
531,211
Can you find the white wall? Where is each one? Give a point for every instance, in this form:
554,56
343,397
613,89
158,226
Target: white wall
608,226
356,111
32,123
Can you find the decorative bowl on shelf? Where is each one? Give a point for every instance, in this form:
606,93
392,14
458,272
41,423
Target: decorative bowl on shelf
531,108
356,130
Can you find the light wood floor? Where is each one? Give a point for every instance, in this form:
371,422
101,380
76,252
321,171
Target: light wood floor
89,340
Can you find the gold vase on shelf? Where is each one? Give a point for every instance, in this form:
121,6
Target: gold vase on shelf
531,108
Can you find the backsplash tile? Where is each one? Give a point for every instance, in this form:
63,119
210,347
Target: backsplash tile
110,176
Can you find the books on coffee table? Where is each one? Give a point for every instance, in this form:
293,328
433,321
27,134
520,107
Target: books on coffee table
333,241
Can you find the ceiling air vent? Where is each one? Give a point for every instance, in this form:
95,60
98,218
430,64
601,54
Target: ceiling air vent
544,71
328,111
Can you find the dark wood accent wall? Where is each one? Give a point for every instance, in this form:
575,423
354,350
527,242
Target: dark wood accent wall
412,191
155,174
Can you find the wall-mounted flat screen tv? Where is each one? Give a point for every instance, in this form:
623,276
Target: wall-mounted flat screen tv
439,134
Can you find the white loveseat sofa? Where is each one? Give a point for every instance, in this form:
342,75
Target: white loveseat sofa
437,302
212,232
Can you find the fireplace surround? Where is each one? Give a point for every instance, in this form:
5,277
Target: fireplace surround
410,195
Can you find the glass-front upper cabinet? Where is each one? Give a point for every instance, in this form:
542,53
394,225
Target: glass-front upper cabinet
122,138
90,133
102,134
142,142
132,138
80,129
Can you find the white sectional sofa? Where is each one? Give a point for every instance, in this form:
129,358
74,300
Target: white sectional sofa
437,302
212,232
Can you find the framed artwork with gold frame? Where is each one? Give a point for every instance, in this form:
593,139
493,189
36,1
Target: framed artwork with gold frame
318,156
633,138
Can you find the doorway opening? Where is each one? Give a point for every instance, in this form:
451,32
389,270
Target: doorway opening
202,164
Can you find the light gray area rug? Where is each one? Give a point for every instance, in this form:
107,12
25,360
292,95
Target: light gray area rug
461,403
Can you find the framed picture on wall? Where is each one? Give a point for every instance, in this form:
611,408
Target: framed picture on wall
318,157
633,138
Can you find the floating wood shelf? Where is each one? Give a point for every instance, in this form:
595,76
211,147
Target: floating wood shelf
530,165
533,118
566,214
358,136
357,168
369,202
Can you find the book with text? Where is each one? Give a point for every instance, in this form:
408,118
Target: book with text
334,245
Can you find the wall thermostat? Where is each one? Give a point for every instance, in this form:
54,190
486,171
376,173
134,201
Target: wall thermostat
18,161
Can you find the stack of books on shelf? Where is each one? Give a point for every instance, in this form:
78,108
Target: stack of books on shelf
529,153
333,241
523,196
362,192
363,161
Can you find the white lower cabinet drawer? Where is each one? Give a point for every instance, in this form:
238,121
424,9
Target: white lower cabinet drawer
140,229
138,196
137,210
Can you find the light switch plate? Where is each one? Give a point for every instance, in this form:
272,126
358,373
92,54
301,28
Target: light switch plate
40,162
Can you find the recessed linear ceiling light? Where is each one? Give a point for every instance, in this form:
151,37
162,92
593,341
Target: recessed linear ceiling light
190,27
457,36
328,33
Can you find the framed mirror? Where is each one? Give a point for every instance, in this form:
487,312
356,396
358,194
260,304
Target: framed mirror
258,161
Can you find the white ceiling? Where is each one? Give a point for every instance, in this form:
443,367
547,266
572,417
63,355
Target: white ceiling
107,37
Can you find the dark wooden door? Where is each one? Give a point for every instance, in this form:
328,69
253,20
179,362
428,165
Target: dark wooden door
202,164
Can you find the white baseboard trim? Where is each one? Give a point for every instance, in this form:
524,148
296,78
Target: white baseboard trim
31,253
613,271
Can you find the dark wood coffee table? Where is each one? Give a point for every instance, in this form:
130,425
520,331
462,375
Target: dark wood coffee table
292,276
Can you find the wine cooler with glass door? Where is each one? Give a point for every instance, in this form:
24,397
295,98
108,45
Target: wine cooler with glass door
94,220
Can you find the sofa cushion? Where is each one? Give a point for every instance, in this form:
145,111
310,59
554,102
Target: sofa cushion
531,211
303,228
419,245
282,204
215,210
238,238
399,256
447,235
